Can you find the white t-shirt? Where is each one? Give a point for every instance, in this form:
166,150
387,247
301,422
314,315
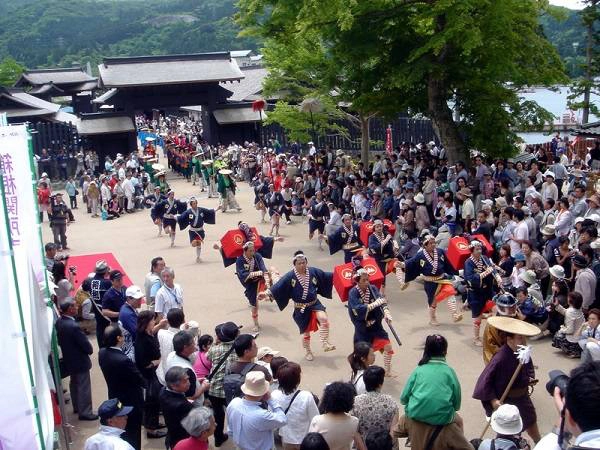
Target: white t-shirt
299,415
168,299
165,342
520,232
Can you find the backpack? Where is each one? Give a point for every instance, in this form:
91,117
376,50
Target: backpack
232,383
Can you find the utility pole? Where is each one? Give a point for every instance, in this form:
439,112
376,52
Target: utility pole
591,13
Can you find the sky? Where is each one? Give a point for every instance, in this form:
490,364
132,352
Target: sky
573,4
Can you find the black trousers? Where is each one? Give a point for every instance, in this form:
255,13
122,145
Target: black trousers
133,430
218,405
151,403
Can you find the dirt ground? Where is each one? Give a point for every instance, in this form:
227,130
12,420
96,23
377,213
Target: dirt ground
213,295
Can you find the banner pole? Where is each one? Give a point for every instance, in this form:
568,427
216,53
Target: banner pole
21,319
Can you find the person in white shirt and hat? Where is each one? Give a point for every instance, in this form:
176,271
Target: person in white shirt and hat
113,419
549,188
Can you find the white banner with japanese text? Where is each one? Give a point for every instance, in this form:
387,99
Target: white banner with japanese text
26,417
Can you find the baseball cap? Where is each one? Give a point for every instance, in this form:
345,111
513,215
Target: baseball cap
227,332
115,275
134,292
113,408
264,351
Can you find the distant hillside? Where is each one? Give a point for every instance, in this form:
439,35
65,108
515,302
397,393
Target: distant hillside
563,33
45,33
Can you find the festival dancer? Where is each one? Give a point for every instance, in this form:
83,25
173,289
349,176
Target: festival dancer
276,205
497,375
479,273
318,215
208,173
161,182
150,201
493,339
167,211
254,276
367,309
385,250
261,190
302,285
431,262
226,187
266,249
196,217
346,238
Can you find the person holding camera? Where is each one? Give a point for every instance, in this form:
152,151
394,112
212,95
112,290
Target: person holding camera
576,399
64,284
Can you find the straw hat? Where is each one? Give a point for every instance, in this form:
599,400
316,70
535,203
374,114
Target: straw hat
225,172
557,271
511,325
594,198
255,384
528,277
506,420
466,192
501,202
207,162
162,173
420,198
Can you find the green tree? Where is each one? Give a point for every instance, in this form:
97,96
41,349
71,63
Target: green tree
458,62
10,71
586,85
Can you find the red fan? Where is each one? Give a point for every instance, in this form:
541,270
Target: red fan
258,105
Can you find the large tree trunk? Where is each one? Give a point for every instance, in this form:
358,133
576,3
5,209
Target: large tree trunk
443,122
364,140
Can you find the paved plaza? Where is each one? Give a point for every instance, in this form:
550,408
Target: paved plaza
213,295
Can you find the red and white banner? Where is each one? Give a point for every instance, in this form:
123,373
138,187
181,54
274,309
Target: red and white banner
389,146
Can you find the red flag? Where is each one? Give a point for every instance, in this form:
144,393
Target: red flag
389,147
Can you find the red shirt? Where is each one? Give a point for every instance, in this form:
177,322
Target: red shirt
191,443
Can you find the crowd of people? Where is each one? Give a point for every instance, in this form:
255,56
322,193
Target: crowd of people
531,272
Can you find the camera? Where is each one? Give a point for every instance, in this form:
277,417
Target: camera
73,269
559,379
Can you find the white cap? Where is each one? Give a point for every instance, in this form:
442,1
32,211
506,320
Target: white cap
134,292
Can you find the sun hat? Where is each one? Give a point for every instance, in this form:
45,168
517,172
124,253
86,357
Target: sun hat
549,173
528,277
264,351
557,271
549,230
101,266
595,198
506,420
225,171
501,202
466,192
419,198
255,384
514,326
162,173
486,202
227,332
207,162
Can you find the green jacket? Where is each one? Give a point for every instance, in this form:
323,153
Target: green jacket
223,184
432,393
